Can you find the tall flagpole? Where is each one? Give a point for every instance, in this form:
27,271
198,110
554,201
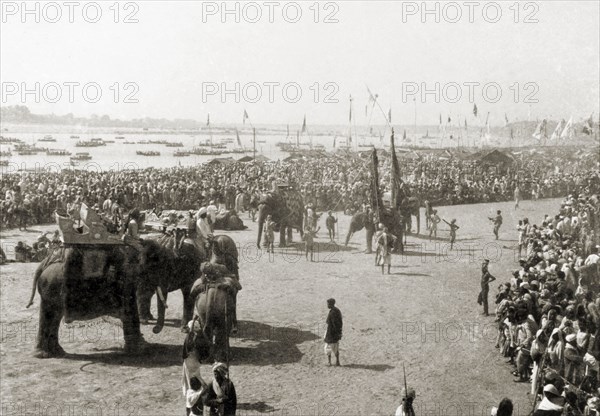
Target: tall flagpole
415,139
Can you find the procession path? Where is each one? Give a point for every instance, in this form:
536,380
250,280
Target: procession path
424,314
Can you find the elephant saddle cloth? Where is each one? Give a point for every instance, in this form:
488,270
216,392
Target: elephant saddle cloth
228,283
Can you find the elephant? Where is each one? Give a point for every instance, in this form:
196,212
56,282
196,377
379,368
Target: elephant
394,221
83,283
357,223
286,208
411,206
176,266
215,311
390,218
229,220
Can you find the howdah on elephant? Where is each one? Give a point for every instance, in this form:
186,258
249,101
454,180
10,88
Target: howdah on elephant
176,266
83,283
286,208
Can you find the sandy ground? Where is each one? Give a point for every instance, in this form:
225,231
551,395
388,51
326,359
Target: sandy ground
424,315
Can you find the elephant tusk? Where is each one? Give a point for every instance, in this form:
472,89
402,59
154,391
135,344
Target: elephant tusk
160,295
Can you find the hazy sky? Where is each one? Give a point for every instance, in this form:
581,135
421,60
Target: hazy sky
172,55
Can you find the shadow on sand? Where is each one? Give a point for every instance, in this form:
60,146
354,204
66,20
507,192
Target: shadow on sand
370,367
155,356
260,407
271,345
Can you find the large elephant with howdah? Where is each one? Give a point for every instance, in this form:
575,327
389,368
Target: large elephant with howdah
176,266
286,208
83,283
411,206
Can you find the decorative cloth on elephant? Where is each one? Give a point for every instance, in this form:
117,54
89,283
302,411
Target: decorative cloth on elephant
218,275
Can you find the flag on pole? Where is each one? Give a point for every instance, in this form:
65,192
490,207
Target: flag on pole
208,120
237,135
588,127
390,115
372,97
350,117
475,110
304,125
396,180
245,117
376,201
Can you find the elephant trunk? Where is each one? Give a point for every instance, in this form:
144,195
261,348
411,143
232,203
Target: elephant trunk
161,304
261,221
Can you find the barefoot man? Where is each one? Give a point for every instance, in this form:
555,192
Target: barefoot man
334,331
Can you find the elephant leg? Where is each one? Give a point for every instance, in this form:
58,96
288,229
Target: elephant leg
348,236
143,304
208,334
282,236
47,339
134,341
188,309
221,342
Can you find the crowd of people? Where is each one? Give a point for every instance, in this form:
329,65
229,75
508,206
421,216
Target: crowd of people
548,313
331,182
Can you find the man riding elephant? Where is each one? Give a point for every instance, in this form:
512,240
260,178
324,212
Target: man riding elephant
176,266
214,293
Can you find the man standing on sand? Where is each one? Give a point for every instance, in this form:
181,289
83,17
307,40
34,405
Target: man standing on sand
517,194
486,279
330,223
453,228
434,220
497,220
334,331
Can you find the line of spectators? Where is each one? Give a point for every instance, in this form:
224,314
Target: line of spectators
548,314
332,182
